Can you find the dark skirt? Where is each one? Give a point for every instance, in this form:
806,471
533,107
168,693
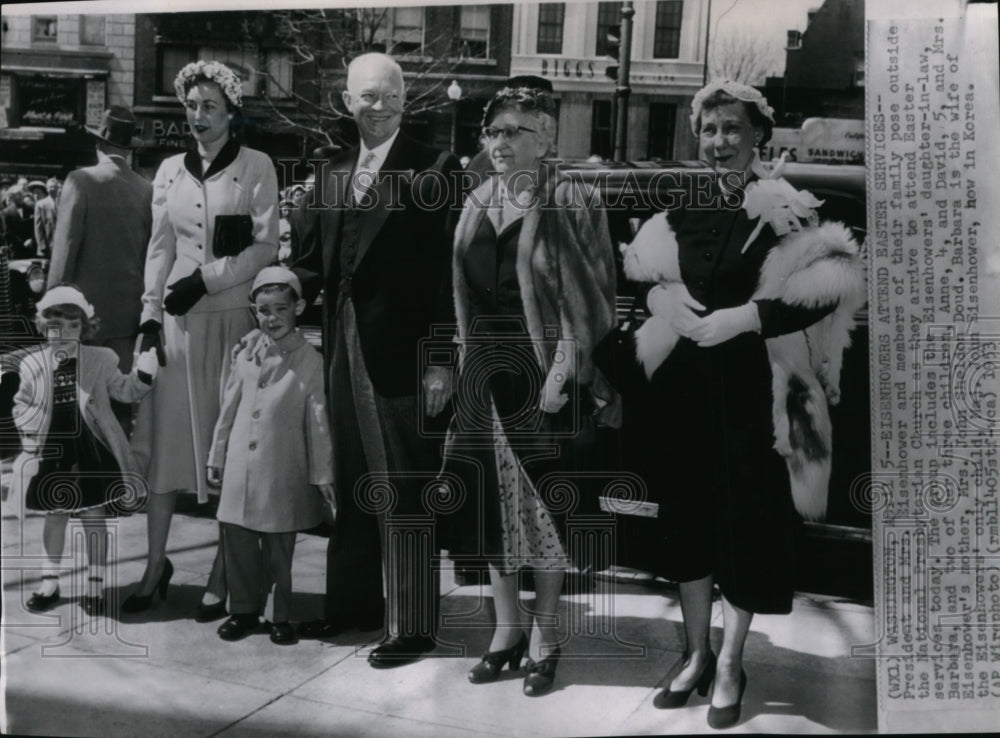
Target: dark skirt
726,505
554,449
77,472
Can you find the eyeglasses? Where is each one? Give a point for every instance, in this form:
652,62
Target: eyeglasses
509,133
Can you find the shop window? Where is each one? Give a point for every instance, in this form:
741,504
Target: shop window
662,120
550,28
262,72
667,33
44,28
600,129
609,18
92,30
402,33
474,31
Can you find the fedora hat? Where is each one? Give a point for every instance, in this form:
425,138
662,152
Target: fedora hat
117,128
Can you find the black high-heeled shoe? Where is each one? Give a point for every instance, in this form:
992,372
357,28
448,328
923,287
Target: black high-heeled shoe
726,717
541,674
493,661
138,603
43,603
670,700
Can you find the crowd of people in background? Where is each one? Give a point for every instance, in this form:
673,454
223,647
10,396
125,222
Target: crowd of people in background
236,399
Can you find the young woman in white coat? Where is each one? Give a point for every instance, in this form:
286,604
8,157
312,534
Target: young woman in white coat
215,225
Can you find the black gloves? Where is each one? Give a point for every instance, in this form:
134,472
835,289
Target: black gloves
184,293
152,337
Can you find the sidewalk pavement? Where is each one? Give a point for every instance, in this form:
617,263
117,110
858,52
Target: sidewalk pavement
159,673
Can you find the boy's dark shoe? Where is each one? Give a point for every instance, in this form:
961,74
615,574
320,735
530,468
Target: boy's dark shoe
282,633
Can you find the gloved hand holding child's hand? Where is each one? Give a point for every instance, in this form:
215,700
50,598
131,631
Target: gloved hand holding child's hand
148,364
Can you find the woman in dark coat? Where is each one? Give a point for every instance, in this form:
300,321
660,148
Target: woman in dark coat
534,291
729,513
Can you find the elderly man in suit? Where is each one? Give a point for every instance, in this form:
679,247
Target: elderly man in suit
102,231
377,234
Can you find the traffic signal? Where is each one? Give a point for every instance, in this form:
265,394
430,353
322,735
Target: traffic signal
614,39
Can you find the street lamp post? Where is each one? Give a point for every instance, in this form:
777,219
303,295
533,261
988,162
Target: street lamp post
454,94
623,88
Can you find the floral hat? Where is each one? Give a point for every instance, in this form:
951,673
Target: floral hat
741,92
215,71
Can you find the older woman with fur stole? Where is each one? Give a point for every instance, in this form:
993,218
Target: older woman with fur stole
743,412
534,292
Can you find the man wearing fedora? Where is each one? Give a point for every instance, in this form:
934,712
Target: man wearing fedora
103,225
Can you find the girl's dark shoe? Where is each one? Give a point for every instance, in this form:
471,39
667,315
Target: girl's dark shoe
726,717
208,613
669,700
493,661
238,626
139,603
542,674
43,603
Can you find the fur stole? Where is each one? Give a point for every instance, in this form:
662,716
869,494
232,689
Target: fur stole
810,267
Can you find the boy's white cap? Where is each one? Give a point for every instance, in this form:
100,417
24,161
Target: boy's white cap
65,295
276,275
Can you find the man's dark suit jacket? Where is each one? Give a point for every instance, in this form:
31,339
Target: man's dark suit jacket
401,284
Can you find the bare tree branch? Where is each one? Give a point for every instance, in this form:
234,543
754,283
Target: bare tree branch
744,57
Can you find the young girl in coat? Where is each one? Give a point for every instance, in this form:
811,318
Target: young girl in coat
75,458
272,454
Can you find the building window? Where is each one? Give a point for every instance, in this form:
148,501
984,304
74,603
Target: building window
92,30
403,31
609,18
474,31
44,28
262,72
550,28
662,119
667,34
600,129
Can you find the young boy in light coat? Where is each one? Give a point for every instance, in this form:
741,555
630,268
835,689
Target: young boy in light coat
272,454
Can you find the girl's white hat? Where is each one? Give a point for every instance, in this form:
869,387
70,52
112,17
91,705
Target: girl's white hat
63,294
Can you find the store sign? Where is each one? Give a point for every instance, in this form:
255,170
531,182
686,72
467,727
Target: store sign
51,102
820,140
96,94
166,133
567,68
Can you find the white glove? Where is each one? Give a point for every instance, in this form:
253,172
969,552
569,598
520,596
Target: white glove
148,363
553,397
674,302
727,323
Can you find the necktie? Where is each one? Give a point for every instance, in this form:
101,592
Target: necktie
364,178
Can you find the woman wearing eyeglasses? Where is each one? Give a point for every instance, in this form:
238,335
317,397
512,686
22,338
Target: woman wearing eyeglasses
534,291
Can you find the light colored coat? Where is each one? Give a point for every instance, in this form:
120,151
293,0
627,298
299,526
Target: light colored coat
102,231
272,440
184,211
98,379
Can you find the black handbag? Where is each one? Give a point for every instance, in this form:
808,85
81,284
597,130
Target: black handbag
233,233
615,356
